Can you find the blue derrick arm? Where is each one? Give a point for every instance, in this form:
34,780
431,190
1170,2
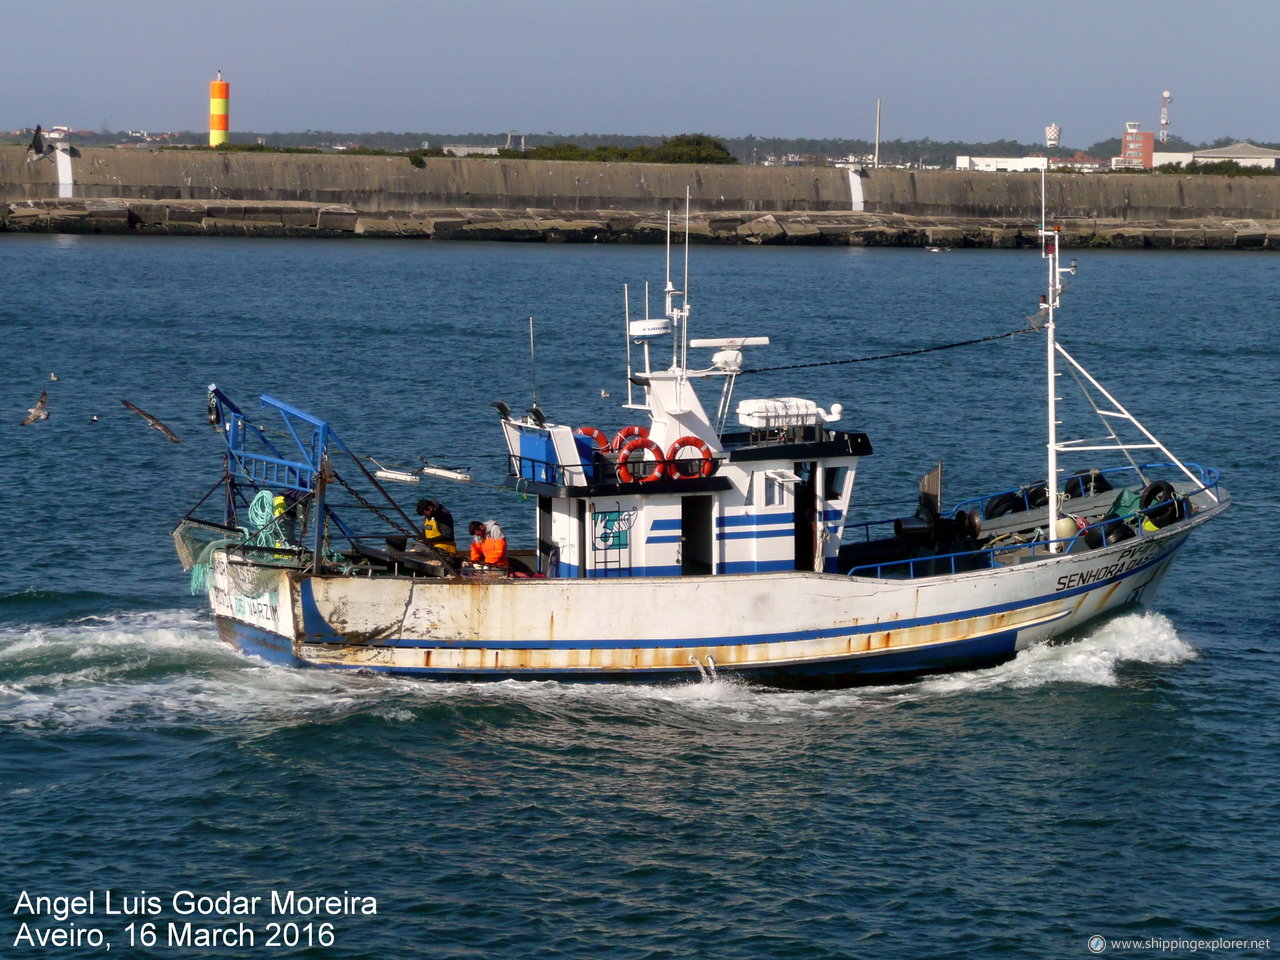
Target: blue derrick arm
255,459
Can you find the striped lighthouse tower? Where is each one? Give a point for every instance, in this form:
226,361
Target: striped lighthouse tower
219,110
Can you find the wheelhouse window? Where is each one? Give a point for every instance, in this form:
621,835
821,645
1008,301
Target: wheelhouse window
833,482
775,486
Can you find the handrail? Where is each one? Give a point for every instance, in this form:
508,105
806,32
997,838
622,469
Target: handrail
1209,479
989,555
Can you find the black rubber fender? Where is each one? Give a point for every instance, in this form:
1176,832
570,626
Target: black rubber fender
1002,504
1158,503
1085,483
1107,533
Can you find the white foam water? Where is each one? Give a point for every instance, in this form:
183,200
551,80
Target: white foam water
158,668
154,669
1094,659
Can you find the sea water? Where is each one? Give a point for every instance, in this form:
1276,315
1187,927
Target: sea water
155,786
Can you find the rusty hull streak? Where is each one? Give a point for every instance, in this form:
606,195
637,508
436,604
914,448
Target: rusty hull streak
337,619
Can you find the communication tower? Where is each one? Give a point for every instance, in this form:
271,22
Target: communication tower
1166,98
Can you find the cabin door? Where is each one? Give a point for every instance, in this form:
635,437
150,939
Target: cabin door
548,552
806,514
697,537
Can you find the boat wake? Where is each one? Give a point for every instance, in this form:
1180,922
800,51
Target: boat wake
1094,658
153,669
167,668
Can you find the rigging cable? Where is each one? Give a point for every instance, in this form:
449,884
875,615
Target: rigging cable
890,356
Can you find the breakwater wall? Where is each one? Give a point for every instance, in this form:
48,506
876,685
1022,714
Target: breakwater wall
199,191
387,185
1129,197
819,228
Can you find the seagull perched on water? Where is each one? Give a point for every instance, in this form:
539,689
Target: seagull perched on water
155,424
40,411
53,377
604,393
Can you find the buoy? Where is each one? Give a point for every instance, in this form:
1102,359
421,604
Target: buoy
706,464
626,433
602,442
638,445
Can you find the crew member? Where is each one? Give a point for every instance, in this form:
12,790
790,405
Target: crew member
285,509
488,543
437,527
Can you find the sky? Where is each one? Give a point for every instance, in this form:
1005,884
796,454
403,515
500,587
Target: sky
975,71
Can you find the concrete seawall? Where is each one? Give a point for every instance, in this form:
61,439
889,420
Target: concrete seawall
393,185
1131,197
203,192
819,228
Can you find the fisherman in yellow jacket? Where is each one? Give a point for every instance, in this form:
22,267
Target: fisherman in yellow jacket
437,527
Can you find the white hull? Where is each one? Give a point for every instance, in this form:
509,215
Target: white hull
787,628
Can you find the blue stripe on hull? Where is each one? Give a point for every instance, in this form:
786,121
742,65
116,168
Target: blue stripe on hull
258,643
871,668
884,667
880,667
889,666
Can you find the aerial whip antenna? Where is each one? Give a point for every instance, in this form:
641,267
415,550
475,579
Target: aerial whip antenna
534,411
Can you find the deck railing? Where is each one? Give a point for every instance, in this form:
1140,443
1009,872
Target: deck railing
1104,531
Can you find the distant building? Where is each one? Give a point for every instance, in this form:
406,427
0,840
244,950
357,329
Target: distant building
1245,154
1136,148
1079,161
1002,164
1162,157
469,150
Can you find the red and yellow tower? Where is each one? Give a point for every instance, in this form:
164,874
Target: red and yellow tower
219,110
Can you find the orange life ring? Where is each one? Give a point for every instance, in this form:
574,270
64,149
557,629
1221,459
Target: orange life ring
641,443
635,430
602,441
707,467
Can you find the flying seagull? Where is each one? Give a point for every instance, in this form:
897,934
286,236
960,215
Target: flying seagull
37,146
156,424
40,411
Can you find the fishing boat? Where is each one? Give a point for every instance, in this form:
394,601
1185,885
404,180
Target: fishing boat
694,542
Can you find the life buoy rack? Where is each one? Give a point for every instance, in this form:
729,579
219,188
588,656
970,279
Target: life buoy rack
706,464
627,433
636,445
596,434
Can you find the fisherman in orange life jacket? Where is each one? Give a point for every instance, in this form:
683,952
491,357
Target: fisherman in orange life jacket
437,526
488,543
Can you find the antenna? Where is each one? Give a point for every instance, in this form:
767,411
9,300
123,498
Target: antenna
669,301
876,161
626,312
533,365
684,294
1043,217
1166,98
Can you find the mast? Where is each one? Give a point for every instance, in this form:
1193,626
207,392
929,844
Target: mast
1049,251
